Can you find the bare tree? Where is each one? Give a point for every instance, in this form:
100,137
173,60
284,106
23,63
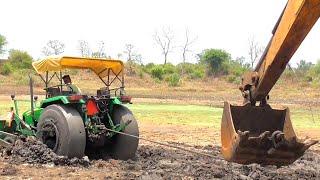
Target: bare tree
164,41
186,46
129,51
132,54
138,59
53,47
100,53
254,51
132,58
84,49
119,55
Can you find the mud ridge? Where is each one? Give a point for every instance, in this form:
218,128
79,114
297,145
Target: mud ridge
30,150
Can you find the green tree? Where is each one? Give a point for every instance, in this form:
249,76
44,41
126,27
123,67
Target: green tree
19,59
6,69
3,42
217,61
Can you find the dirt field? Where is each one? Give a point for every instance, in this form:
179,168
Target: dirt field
192,127
160,162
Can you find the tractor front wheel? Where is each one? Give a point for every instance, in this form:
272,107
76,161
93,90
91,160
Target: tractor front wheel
124,147
61,128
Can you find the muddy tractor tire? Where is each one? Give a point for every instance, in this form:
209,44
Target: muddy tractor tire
61,128
124,147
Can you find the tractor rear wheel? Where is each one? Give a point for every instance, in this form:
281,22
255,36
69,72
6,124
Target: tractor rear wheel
124,147
61,128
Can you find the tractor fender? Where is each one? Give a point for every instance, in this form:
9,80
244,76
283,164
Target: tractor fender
114,101
55,100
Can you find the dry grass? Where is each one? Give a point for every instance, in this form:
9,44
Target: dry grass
287,91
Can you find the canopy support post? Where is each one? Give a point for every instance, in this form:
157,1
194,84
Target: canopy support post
60,81
47,76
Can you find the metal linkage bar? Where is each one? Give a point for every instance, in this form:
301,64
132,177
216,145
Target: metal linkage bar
54,74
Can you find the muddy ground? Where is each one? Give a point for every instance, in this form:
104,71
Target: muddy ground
31,159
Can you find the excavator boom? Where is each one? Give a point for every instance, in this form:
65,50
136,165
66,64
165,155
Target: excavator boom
253,133
296,21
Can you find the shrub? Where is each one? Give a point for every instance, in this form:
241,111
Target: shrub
232,79
148,67
174,79
308,78
157,72
315,70
288,74
169,68
21,76
132,68
236,69
197,74
158,81
304,66
193,71
140,74
312,74
6,69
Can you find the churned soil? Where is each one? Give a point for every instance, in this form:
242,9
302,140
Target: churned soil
30,150
29,158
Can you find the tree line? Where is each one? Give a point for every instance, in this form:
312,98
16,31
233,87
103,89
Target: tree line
210,62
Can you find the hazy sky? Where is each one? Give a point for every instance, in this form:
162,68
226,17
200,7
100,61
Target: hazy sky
225,24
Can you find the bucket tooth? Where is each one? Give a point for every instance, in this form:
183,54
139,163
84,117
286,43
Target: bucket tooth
308,143
244,137
256,134
261,140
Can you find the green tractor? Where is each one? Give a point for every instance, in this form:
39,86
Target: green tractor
73,124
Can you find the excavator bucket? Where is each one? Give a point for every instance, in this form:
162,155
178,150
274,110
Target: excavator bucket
254,134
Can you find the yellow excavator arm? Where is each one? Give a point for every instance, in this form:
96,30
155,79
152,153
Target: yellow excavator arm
294,24
253,133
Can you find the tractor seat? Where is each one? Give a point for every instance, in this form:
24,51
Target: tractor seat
53,91
103,92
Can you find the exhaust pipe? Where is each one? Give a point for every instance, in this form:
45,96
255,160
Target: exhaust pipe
260,134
